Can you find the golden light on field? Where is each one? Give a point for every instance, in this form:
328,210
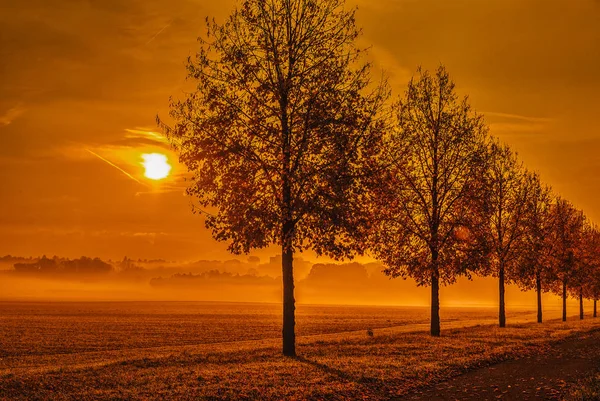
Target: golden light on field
156,166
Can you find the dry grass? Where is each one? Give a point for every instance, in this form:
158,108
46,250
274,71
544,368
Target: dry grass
587,389
40,329
331,366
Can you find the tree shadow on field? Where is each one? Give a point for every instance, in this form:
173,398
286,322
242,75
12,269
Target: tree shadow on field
344,375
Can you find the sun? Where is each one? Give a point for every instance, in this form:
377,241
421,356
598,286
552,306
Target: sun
157,166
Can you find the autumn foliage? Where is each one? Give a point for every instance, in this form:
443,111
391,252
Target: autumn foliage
280,131
292,144
427,201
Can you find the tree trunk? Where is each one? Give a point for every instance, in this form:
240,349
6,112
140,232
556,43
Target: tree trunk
595,314
564,299
289,303
581,303
538,289
501,312
287,239
435,304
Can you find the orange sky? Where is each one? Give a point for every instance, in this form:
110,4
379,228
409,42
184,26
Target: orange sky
89,76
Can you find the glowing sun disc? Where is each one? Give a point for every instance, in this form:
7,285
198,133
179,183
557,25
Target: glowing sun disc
156,166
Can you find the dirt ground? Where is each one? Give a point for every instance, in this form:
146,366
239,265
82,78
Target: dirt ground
544,376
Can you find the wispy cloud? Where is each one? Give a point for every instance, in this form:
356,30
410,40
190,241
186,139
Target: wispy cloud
516,128
165,190
141,132
507,123
386,61
517,117
139,136
11,114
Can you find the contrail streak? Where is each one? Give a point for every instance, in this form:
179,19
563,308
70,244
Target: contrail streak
159,32
117,167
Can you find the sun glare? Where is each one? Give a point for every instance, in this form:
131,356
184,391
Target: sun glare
156,165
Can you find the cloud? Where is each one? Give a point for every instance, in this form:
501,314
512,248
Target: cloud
390,65
506,123
11,114
141,137
516,128
145,133
152,234
518,117
150,237
166,189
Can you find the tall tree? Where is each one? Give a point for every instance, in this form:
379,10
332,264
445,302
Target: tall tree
506,197
534,269
567,236
283,123
427,203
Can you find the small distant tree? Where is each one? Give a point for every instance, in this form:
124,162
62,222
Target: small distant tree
534,268
506,197
567,237
427,204
282,125
592,281
583,281
593,289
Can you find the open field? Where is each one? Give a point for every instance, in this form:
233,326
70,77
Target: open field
211,350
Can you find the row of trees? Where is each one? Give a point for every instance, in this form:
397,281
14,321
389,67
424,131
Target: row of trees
459,201
291,143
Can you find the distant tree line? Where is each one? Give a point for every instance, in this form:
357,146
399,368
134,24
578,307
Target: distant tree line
212,277
56,266
291,143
